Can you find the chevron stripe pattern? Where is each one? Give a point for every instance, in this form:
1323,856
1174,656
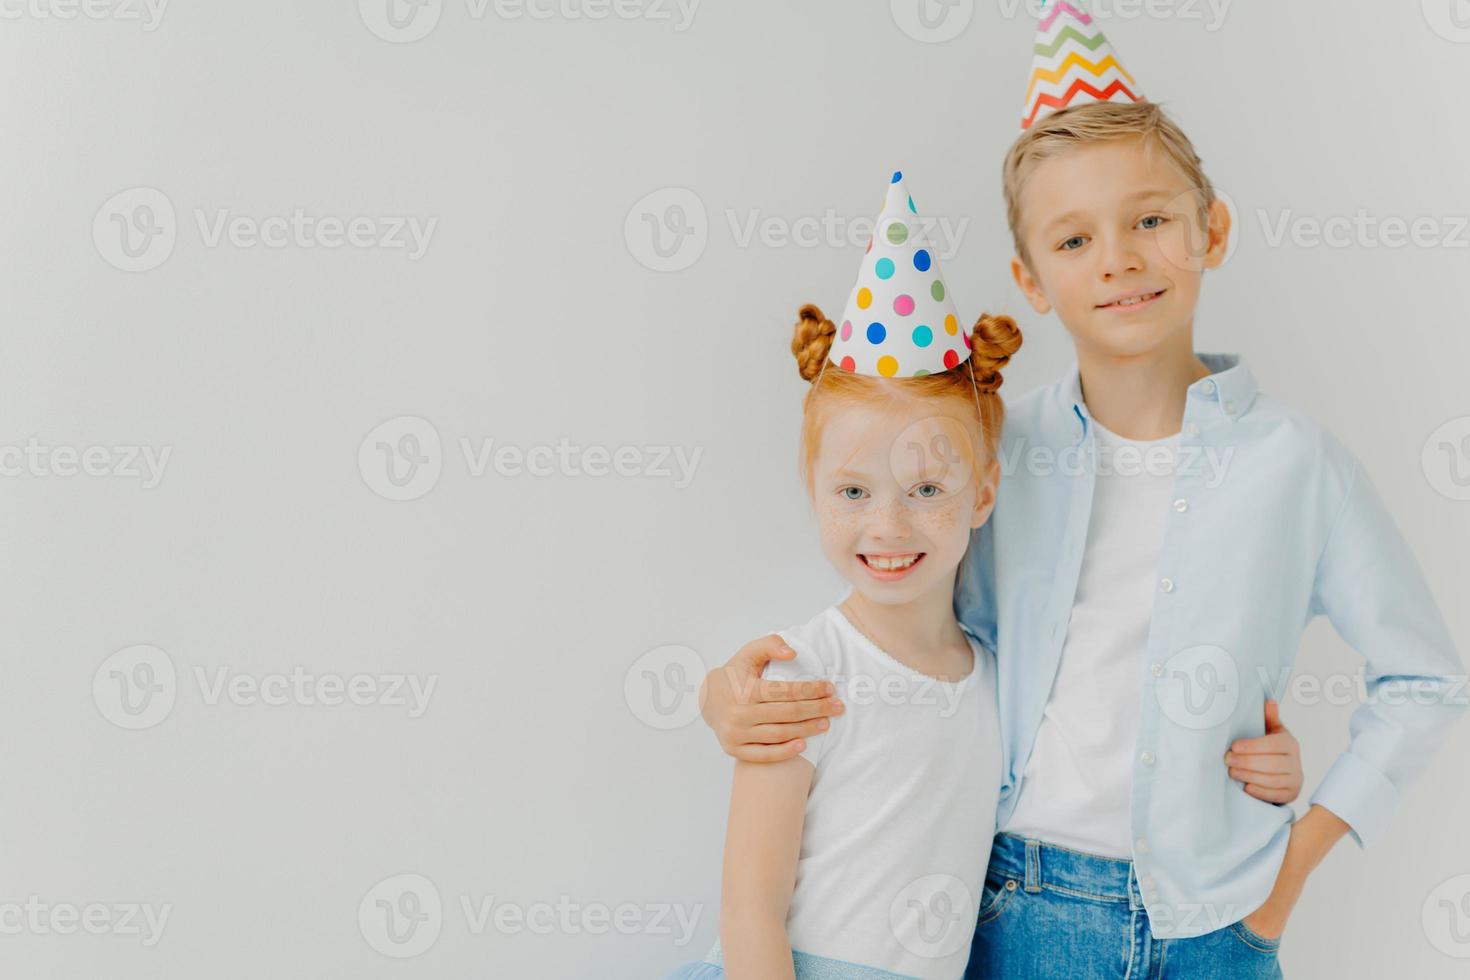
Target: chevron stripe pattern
1074,64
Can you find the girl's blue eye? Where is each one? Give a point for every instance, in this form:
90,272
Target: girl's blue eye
1153,217
929,486
1073,243
853,493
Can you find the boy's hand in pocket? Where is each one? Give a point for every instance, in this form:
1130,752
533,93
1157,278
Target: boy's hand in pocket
1270,766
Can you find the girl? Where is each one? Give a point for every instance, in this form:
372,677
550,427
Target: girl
865,856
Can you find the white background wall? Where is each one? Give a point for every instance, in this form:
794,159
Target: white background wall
534,315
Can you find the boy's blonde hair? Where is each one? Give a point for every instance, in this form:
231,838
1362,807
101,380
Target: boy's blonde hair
1099,122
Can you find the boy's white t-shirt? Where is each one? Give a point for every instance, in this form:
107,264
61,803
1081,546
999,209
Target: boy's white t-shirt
1077,786
901,811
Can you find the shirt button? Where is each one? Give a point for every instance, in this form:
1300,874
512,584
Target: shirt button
1157,670
1167,585
1208,387
1147,758
1181,505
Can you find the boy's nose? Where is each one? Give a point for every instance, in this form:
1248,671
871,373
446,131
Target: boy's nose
1120,258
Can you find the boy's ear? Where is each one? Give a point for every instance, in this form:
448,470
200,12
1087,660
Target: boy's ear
1220,223
1030,287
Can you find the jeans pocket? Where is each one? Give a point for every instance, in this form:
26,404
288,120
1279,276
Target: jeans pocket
1255,940
994,898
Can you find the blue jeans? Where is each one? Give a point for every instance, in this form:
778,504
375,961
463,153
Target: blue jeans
1047,911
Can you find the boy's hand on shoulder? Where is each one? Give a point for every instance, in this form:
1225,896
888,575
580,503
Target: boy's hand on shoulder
1270,766
758,720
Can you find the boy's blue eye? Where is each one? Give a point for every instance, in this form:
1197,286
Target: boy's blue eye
1073,243
929,486
1153,217
853,493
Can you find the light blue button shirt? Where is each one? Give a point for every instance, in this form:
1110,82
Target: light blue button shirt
1271,523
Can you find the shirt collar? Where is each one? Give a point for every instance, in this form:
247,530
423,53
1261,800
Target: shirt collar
1229,390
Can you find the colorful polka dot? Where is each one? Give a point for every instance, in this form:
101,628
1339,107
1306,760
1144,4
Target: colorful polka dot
922,261
921,373
898,233
923,336
848,364
870,246
887,366
966,338
951,359
903,305
884,269
951,325
911,205
846,329
897,176
865,298
937,290
877,333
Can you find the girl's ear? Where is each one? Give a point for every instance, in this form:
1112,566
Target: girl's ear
1030,286
986,482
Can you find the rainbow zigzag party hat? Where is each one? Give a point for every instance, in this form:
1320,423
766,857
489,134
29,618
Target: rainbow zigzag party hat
1074,64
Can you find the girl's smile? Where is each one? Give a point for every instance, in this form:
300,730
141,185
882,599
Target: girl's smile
891,567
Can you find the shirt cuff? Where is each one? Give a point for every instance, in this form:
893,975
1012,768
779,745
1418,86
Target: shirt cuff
1360,795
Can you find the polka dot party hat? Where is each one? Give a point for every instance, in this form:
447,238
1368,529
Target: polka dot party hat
1073,64
900,321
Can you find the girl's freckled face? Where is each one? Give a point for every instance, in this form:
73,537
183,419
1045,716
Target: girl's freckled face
896,495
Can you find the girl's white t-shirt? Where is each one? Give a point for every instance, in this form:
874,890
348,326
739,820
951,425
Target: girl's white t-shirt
901,812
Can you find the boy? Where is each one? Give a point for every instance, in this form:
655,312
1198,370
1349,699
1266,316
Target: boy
1142,618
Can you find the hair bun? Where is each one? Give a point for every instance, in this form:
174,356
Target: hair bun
812,341
992,342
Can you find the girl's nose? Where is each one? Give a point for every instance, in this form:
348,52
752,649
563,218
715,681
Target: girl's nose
890,520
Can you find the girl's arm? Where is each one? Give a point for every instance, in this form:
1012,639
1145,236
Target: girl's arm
762,844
